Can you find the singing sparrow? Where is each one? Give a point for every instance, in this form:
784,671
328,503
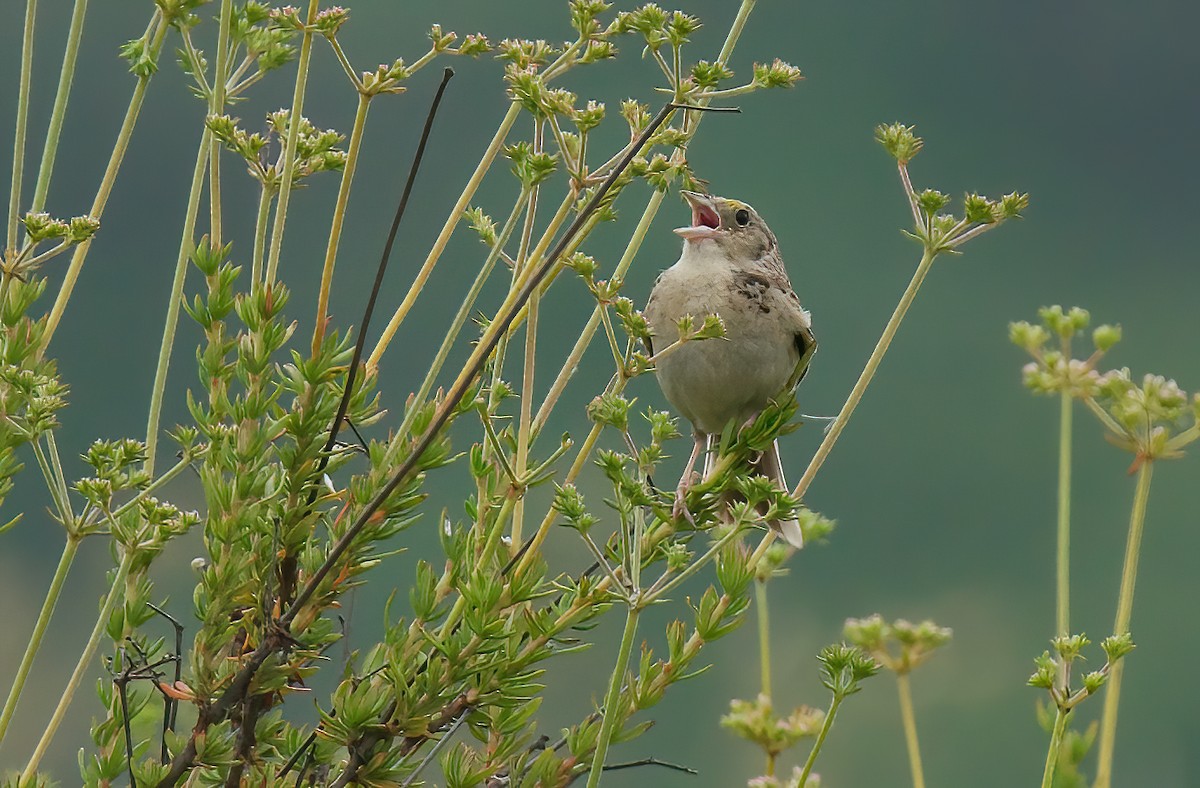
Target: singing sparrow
731,267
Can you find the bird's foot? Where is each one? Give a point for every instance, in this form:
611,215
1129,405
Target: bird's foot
680,509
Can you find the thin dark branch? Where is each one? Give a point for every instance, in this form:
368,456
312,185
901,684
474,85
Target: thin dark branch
368,311
121,682
436,747
170,705
651,762
297,755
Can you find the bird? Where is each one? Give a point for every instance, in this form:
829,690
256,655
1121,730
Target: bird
731,267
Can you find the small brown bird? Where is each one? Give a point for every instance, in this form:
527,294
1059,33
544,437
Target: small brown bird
730,267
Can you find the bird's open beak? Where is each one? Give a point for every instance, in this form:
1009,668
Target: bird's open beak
706,222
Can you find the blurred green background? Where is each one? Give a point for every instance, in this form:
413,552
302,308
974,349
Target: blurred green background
943,484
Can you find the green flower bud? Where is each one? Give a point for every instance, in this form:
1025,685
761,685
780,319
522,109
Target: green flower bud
1104,337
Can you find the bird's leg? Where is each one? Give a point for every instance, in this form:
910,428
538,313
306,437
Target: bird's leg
685,481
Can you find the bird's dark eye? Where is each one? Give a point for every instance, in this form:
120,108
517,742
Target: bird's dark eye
742,217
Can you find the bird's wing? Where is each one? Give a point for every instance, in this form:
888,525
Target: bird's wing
770,268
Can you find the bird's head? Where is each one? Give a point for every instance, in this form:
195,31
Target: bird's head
734,226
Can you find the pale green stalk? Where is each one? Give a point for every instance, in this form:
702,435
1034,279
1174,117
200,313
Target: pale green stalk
339,218
1056,737
81,667
1063,607
289,150
1112,692
764,651
65,76
443,238
820,742
260,233
39,631
864,379
589,330
658,593
153,487
611,715
18,162
910,730
216,106
106,183
186,247
856,394
464,311
525,410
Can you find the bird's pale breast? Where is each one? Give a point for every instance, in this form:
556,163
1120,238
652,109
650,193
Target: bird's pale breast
714,380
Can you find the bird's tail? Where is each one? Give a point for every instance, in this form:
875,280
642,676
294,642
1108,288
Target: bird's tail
770,466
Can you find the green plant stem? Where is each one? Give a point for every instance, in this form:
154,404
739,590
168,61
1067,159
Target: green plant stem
910,730
65,77
289,151
864,379
157,32
612,698
657,593
18,161
39,631
339,218
154,486
1112,692
820,742
81,667
260,233
186,247
443,238
1063,606
216,106
1056,737
856,394
764,637
764,651
464,311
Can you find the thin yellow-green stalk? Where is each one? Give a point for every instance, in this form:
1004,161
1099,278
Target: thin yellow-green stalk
864,379
339,218
216,106
460,317
611,714
909,721
1056,737
826,725
81,667
65,76
589,330
157,32
265,196
18,162
289,150
439,245
764,651
186,246
1063,602
1112,692
856,394
39,631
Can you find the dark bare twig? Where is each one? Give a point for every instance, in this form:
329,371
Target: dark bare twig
288,583
297,755
121,683
651,762
436,747
171,707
